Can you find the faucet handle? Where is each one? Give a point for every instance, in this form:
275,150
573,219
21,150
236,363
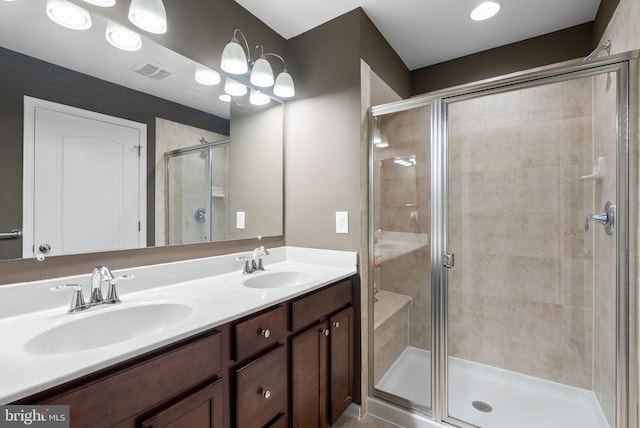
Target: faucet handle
248,266
112,295
77,300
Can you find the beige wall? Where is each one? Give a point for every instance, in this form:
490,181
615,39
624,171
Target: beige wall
521,296
256,184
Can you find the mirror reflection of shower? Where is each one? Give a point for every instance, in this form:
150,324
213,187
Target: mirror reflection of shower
197,187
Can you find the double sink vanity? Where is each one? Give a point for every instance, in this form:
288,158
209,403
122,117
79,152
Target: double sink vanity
196,343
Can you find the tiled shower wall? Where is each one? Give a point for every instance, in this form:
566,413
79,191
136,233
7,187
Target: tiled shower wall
402,191
521,294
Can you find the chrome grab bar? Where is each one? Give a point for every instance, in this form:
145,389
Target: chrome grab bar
14,234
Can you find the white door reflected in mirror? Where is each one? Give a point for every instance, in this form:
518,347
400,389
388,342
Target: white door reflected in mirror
86,184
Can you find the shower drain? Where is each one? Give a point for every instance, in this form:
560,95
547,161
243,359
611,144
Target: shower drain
481,406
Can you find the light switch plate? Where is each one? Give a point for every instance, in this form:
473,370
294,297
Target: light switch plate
342,222
240,220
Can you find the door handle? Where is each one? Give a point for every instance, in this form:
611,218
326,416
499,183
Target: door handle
607,218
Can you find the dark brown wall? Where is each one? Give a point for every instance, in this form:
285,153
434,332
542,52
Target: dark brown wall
550,48
605,12
383,60
22,75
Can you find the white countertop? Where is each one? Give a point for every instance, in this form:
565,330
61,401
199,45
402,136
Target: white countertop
211,287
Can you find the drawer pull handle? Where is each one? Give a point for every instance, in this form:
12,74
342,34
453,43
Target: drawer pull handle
265,393
325,331
336,324
265,332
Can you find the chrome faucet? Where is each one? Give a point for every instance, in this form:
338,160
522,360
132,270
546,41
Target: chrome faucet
254,263
99,275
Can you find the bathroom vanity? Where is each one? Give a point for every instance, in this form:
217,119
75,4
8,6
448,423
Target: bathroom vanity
284,359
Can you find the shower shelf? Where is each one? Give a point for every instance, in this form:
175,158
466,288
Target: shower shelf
396,244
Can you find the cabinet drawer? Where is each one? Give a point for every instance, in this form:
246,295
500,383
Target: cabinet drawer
261,389
316,306
259,332
200,409
116,397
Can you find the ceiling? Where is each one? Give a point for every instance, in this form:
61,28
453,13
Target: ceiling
426,32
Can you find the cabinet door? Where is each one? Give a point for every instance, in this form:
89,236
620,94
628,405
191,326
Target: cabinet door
341,367
309,371
202,409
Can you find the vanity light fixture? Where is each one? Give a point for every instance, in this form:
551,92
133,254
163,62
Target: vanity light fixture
234,88
123,38
258,98
149,15
485,10
206,76
101,3
236,59
68,15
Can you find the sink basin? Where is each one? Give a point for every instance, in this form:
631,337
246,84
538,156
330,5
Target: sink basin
279,279
103,327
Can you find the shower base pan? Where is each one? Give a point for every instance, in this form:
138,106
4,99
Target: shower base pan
490,397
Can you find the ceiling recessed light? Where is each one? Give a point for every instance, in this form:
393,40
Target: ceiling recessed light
485,10
123,38
206,76
225,97
68,15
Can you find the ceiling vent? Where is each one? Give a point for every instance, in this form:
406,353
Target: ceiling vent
152,70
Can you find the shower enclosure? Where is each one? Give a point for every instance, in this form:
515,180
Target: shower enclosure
503,291
196,199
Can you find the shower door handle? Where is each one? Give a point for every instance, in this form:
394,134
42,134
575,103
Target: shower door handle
448,260
607,218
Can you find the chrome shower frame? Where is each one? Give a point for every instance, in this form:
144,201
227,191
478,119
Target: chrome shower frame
627,68
204,145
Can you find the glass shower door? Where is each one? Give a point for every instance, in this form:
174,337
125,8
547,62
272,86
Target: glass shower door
196,186
401,273
531,301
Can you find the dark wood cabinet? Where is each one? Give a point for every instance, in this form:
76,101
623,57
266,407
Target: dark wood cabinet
322,356
200,409
310,376
261,394
341,362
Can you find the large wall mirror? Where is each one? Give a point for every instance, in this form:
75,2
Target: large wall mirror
211,170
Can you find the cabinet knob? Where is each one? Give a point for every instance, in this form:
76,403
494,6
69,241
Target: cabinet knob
336,324
265,332
325,331
265,393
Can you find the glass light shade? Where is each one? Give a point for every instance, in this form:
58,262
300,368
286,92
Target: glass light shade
257,98
284,86
149,15
123,38
225,98
206,76
68,15
234,88
234,60
262,74
102,3
485,10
